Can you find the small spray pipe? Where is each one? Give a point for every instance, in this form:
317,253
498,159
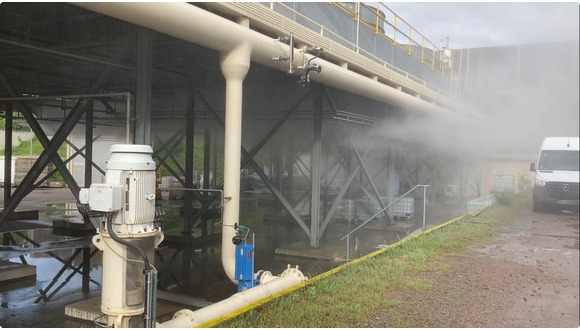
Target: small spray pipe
291,54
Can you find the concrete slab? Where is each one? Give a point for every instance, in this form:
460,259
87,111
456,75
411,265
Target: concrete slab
90,310
304,250
10,271
397,226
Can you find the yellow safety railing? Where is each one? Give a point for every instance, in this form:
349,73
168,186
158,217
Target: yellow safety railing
394,29
382,26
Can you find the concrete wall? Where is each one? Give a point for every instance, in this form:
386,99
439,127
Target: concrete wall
506,167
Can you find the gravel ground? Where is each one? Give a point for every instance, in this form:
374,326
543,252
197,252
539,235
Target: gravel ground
528,279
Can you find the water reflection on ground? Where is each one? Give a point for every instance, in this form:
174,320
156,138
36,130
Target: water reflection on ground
190,269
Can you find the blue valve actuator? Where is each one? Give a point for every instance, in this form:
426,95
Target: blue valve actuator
244,270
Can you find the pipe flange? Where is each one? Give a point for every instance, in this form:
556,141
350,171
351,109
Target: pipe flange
186,314
266,277
293,272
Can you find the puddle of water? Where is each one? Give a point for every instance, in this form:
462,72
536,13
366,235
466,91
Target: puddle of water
197,273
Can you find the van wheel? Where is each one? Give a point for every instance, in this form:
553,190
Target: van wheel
538,207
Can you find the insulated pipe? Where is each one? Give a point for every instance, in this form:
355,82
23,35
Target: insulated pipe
234,65
272,285
193,24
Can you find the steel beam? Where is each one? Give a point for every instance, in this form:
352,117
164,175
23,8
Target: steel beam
259,171
289,184
276,127
51,146
162,160
66,161
366,173
48,154
64,54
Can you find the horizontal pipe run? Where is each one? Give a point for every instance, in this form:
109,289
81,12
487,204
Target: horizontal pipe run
198,26
274,285
73,96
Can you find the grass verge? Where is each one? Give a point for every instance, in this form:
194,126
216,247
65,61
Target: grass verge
348,298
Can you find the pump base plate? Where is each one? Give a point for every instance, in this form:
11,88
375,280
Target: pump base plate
90,310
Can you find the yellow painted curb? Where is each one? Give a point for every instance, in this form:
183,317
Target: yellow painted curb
318,277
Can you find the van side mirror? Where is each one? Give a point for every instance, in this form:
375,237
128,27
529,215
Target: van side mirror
533,167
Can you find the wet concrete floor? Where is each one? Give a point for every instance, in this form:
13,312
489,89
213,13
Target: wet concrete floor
195,272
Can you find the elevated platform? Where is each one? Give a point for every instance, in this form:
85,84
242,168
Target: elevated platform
11,271
304,250
22,215
7,252
21,220
16,225
397,226
377,232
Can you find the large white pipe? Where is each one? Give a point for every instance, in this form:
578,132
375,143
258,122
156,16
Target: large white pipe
238,45
234,65
271,285
190,23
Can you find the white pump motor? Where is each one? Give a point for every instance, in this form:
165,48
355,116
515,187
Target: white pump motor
128,199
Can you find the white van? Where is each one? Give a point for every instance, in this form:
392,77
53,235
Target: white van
557,174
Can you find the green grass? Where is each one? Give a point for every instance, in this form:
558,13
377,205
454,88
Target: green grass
34,148
351,296
23,148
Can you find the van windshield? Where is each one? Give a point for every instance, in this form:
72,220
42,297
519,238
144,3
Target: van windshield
559,160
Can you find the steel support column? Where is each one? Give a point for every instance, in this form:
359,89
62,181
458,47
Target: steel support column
315,165
86,256
206,172
189,137
393,185
289,184
89,145
143,92
8,154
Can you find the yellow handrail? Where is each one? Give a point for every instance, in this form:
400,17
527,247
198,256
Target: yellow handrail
411,40
358,12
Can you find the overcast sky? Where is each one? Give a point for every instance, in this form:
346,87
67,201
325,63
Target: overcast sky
484,24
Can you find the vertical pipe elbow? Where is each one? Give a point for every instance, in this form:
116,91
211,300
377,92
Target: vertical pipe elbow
234,64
